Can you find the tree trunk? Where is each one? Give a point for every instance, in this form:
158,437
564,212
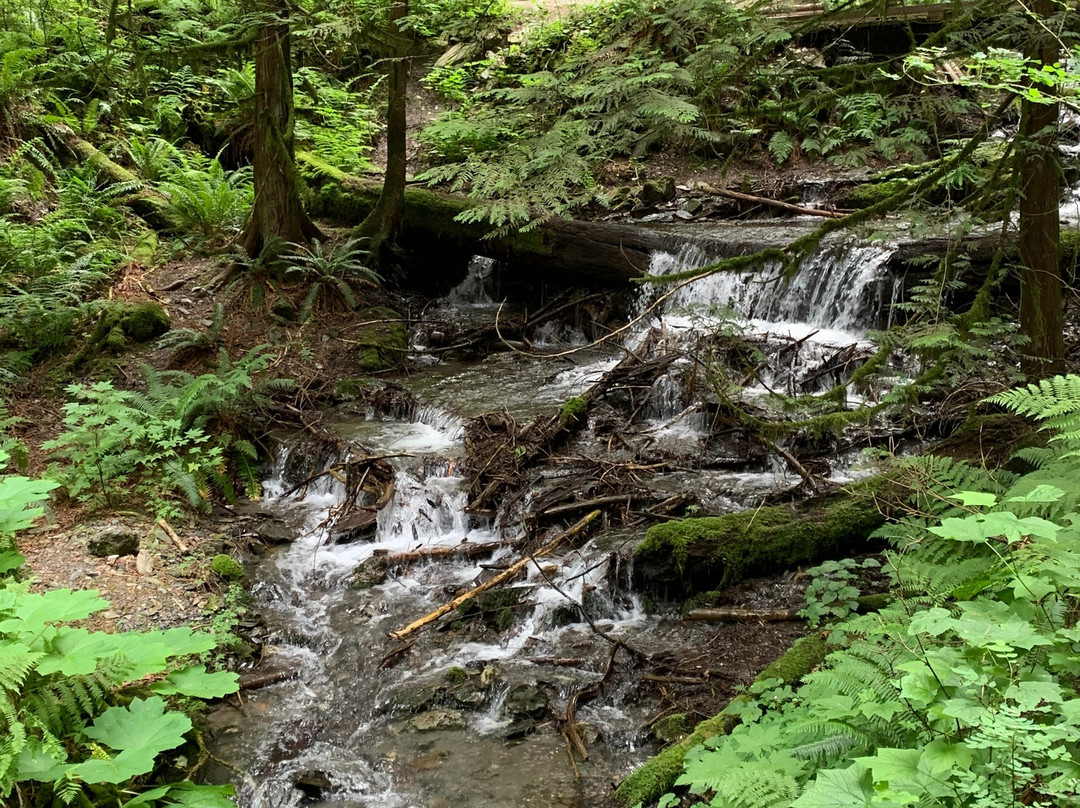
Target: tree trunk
1040,229
383,224
278,215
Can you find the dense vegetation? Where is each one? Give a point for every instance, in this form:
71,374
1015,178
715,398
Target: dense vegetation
135,135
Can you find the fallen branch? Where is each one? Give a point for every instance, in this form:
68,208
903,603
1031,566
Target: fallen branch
466,549
773,203
726,615
509,574
172,535
253,681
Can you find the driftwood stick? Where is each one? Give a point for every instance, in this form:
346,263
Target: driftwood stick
774,203
730,615
466,549
509,574
558,662
172,535
253,681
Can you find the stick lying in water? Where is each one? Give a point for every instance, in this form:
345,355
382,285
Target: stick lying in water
508,574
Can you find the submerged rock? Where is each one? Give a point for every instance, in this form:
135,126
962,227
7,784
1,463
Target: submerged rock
526,701
437,719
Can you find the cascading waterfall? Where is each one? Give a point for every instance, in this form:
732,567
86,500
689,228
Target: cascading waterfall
345,724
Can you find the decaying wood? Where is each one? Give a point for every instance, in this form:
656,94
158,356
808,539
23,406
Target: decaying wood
559,662
732,615
253,681
466,549
499,450
509,574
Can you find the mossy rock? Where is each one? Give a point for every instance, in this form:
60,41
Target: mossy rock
384,341
353,389
658,774
682,558
227,567
456,674
671,728
868,194
143,322
574,410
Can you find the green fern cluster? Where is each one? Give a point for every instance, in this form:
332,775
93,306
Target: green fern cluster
962,691
178,438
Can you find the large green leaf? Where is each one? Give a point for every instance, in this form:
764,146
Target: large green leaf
852,787
74,651
129,763
144,726
35,763
16,493
56,606
195,681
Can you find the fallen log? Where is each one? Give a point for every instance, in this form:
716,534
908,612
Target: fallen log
726,615
571,252
509,574
466,549
773,203
149,205
253,681
681,558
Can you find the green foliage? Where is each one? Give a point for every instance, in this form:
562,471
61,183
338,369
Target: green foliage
208,201
176,439
62,736
329,273
961,691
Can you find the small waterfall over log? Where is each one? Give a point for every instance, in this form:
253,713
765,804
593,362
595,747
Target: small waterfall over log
464,717
842,287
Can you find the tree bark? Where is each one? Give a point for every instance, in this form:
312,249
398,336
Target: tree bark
383,224
278,215
1040,228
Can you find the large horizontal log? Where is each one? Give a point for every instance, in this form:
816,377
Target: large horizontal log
688,556
576,253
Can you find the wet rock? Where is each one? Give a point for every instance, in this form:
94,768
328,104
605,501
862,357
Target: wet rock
312,783
526,700
437,719
691,206
470,696
273,531
372,572
414,698
111,539
519,729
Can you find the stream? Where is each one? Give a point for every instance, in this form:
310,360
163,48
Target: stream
464,716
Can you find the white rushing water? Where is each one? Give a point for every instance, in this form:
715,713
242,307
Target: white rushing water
339,722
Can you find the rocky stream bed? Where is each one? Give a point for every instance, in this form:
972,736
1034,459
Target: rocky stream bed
550,689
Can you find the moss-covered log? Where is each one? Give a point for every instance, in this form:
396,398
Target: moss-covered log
681,558
658,774
573,253
147,204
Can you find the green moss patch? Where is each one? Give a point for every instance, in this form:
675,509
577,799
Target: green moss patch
681,558
383,338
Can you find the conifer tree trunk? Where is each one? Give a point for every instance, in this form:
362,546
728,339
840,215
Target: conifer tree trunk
1040,227
384,222
278,212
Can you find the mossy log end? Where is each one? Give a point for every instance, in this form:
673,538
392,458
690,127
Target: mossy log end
681,558
147,204
658,774
573,253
